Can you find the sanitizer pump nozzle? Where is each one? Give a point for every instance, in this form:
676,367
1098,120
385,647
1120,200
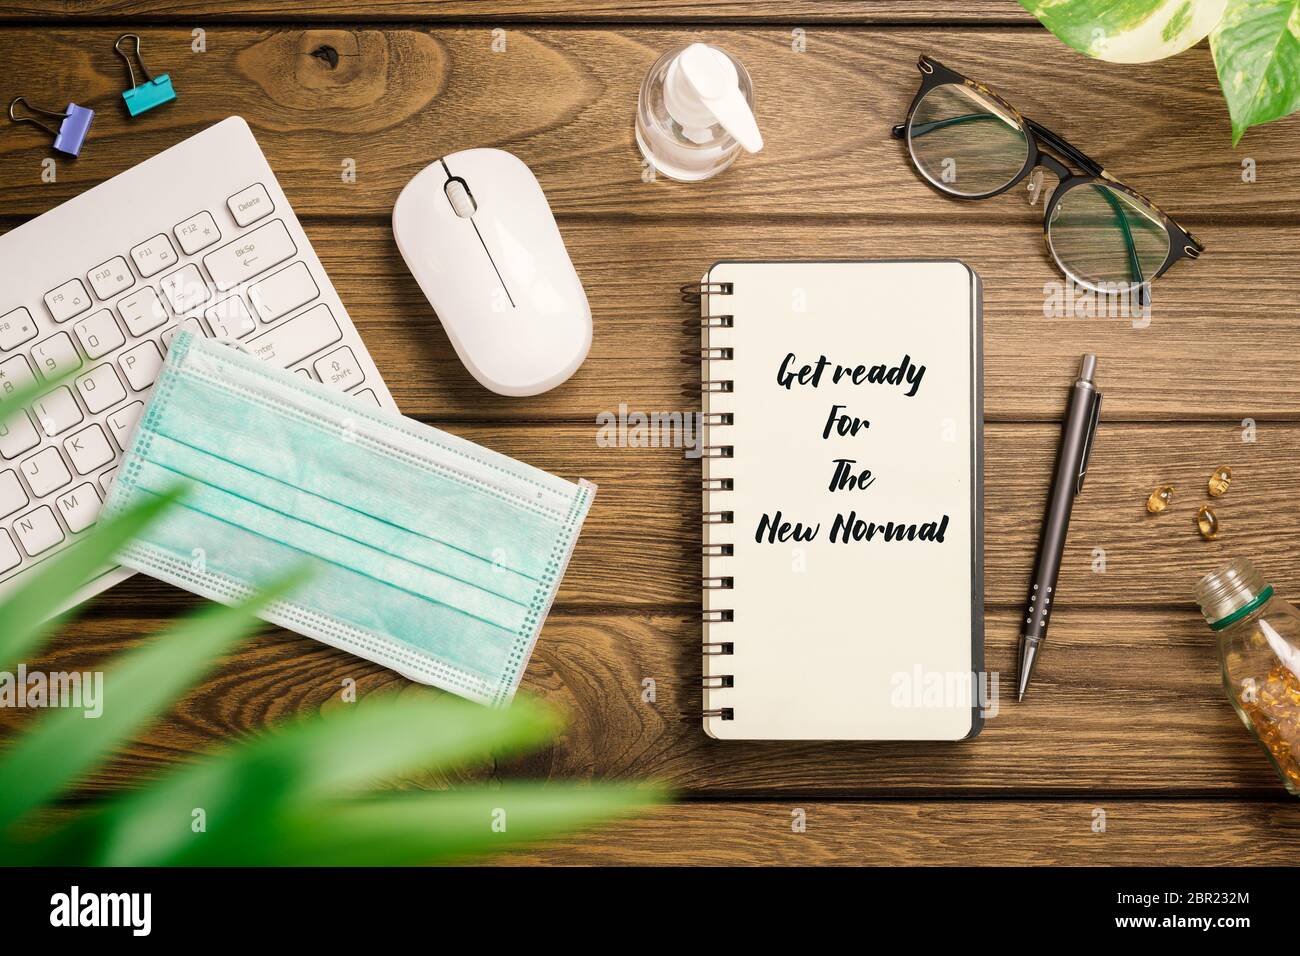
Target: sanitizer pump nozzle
696,114
702,89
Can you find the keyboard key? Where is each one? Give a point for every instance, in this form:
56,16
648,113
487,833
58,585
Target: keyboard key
305,373
67,300
45,472
198,232
250,255
106,480
38,531
368,395
302,336
100,388
16,327
340,369
192,323
154,255
12,496
15,373
251,204
278,295
79,507
185,289
141,365
57,412
18,435
99,334
56,355
112,277
9,556
230,318
89,449
122,423
142,311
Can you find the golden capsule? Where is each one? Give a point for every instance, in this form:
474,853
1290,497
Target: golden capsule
1207,523
1220,480
1160,499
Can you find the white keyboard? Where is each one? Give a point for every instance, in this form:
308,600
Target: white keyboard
198,237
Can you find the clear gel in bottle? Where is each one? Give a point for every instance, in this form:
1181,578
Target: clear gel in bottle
696,113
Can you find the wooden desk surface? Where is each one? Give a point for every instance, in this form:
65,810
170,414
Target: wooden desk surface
1126,714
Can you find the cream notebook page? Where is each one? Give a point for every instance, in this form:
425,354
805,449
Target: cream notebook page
853,612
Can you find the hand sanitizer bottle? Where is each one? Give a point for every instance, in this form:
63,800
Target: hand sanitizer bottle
696,113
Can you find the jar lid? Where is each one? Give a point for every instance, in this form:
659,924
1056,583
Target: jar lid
1229,594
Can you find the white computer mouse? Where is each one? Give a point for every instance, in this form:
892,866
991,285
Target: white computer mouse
478,235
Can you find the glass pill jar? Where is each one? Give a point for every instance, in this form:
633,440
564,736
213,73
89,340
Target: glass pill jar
1259,652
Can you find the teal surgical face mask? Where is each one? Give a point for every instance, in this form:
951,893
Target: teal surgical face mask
434,556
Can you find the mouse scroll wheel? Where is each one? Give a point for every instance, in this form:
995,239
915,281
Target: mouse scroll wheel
461,200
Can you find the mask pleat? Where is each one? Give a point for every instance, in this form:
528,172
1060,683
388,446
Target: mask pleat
368,533
211,546
432,555
338,464
234,508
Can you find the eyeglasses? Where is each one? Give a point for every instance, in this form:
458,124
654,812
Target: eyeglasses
970,143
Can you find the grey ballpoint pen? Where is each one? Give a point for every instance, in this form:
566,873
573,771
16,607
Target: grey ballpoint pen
1077,433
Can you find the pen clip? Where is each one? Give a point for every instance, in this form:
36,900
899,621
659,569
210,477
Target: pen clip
1087,445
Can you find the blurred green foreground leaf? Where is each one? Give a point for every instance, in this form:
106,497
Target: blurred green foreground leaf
302,794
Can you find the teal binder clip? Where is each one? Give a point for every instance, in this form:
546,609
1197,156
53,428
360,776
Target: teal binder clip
72,130
156,91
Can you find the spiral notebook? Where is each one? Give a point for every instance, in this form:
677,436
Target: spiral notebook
842,485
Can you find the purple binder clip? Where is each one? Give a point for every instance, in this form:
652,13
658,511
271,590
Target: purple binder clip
72,130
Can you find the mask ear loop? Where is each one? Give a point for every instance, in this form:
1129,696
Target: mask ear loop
144,70
32,120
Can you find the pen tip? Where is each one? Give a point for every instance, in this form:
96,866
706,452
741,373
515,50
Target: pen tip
1028,657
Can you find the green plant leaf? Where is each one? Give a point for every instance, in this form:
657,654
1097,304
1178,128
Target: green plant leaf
12,399
416,828
244,790
65,744
31,612
1128,31
292,797
1257,55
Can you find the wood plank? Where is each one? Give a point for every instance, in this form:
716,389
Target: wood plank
639,548
564,99
1124,701
1004,833
618,11
1203,354
937,832
1127,699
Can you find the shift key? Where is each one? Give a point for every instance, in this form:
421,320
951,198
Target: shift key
302,336
250,255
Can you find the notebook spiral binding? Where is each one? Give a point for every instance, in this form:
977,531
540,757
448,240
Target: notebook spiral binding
696,291
710,387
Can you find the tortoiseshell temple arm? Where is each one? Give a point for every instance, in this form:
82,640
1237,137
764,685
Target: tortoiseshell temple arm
1135,266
